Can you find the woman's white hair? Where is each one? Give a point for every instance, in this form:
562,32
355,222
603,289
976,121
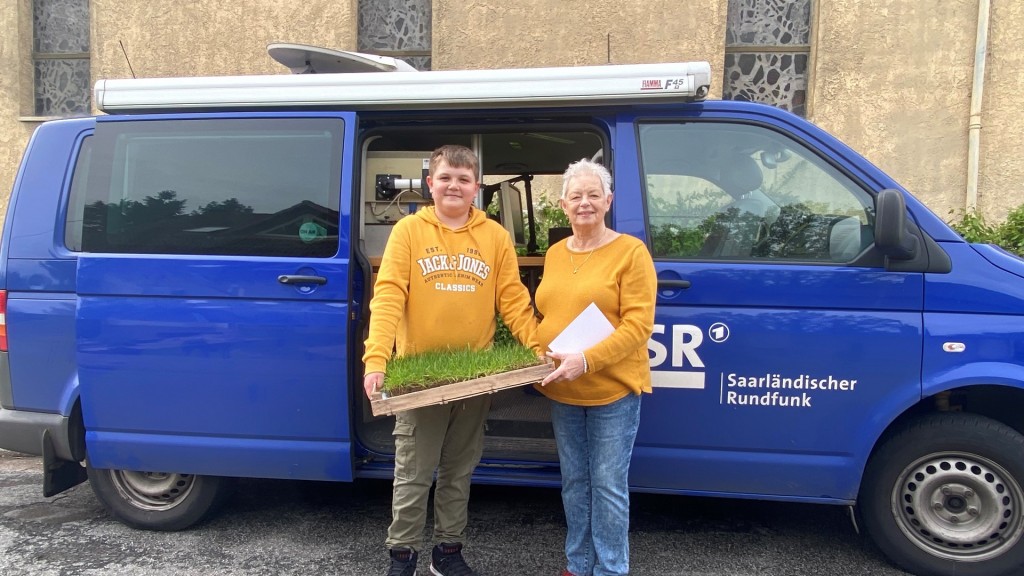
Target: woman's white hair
585,166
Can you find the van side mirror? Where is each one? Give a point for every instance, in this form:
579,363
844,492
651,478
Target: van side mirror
891,236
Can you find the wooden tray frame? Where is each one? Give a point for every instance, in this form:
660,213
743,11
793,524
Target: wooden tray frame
381,406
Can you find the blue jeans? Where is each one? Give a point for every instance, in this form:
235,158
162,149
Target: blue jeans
594,447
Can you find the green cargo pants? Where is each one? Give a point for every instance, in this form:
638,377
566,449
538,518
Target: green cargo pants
448,438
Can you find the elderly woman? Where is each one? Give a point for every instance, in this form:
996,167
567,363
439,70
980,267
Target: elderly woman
596,392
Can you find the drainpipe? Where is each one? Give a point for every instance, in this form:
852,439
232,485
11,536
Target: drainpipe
974,126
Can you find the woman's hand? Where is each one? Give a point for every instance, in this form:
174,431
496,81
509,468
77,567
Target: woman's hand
571,367
372,384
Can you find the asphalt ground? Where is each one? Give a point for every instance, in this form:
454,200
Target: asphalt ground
308,528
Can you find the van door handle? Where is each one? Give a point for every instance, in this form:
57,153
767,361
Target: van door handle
670,284
300,279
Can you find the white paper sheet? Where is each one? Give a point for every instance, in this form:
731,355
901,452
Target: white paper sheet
588,329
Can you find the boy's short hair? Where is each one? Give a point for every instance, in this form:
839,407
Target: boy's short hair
455,156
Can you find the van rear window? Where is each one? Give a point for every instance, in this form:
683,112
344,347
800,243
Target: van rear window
246,187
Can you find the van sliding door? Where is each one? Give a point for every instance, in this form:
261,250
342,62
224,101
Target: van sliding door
213,292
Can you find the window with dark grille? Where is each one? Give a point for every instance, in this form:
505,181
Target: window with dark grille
60,57
396,28
767,52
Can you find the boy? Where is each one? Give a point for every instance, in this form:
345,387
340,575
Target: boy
445,271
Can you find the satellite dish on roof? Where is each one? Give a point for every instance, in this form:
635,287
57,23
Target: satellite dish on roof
302,59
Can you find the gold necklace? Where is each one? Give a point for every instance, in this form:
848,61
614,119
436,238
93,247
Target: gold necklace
572,262
576,268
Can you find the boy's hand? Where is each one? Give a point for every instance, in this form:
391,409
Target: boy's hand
372,384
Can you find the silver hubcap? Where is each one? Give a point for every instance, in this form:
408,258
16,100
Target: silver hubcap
959,506
153,490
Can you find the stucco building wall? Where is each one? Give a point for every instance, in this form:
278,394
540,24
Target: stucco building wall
533,33
892,78
204,38
1001,182
14,100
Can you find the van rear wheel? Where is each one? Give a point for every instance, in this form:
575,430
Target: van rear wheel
157,500
945,496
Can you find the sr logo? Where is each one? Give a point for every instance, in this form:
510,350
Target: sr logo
676,364
683,343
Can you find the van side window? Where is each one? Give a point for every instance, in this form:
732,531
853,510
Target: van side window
733,192
247,187
76,204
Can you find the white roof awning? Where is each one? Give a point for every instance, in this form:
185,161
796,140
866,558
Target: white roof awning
521,87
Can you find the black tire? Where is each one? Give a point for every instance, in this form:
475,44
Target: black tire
157,500
944,496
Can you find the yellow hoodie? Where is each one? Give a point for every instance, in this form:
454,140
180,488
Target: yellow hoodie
439,288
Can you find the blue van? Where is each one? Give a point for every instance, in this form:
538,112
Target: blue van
185,283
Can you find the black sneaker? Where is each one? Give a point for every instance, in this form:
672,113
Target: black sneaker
446,560
403,562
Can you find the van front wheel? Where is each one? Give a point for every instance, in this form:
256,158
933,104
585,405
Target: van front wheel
157,500
944,496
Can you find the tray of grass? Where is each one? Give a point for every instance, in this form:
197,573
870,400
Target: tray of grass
448,375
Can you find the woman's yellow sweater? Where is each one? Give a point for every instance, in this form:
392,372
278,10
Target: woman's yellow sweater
619,277
439,288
